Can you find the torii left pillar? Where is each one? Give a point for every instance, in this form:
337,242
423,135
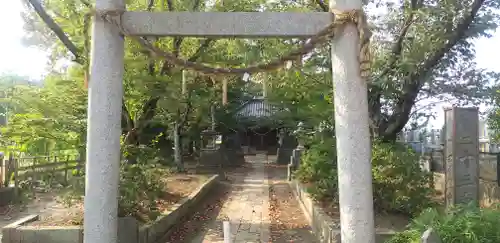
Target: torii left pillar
104,129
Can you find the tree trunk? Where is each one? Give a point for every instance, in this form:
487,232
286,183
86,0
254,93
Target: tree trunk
178,148
132,129
212,117
191,144
387,127
82,151
130,143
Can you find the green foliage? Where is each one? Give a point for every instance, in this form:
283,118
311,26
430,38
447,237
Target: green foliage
142,154
152,87
494,117
319,168
139,189
304,96
420,51
47,118
399,184
463,224
140,186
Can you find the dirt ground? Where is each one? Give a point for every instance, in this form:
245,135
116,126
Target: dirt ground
288,222
53,212
207,212
383,222
45,204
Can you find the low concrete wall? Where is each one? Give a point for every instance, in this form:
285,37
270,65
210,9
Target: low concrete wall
487,164
323,226
489,191
159,230
129,230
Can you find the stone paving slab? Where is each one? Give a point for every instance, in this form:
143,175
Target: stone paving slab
247,208
256,200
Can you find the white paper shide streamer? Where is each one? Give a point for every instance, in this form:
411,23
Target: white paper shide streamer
246,77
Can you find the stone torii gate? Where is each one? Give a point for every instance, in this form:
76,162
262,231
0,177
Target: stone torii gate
106,89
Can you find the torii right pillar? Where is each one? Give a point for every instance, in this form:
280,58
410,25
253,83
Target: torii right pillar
352,133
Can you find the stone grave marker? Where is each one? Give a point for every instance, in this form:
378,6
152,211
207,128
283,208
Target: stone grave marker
462,155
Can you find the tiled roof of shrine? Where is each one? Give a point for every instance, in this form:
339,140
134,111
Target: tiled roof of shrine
256,108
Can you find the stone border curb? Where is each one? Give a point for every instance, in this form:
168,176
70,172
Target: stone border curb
129,230
10,233
324,227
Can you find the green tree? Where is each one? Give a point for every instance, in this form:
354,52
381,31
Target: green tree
152,101
305,96
494,118
426,50
422,50
9,85
52,117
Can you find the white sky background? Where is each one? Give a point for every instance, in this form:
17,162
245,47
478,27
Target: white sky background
488,57
14,57
32,62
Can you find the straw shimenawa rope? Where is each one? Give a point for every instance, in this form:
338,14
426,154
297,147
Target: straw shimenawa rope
339,20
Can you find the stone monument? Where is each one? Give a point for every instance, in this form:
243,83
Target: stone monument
297,152
462,155
210,154
287,144
232,151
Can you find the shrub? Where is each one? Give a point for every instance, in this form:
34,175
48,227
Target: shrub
141,154
319,168
399,184
140,186
462,224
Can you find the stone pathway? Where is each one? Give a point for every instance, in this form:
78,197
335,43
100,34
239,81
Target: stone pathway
245,201
247,208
